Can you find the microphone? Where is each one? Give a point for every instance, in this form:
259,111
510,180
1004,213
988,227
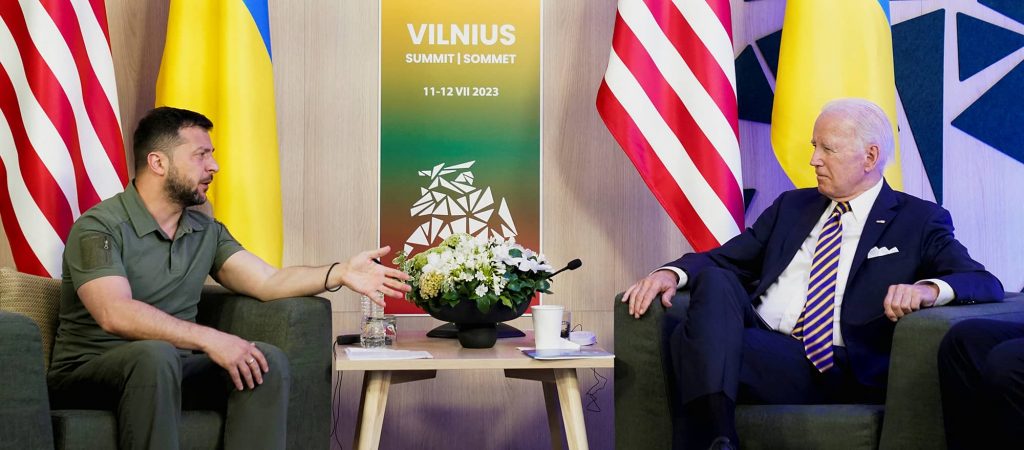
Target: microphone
573,265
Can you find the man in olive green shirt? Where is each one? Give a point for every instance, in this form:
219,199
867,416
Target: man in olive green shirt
134,267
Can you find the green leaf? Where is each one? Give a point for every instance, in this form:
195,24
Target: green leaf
483,305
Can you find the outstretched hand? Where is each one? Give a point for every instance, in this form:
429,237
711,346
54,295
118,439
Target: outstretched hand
640,295
370,278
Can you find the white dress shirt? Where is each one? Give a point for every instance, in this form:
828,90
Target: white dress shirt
783,301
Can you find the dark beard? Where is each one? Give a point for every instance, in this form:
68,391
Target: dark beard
178,190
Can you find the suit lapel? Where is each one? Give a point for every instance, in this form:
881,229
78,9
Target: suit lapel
884,209
807,217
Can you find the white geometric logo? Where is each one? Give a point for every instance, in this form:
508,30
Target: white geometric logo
451,204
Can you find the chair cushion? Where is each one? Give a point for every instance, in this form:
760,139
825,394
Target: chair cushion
24,404
36,297
96,429
834,427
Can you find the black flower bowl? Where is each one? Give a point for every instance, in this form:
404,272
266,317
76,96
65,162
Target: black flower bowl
476,329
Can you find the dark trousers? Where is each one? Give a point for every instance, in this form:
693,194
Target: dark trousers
723,353
981,372
147,383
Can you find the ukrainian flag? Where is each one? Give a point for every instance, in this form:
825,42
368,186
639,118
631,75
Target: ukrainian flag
830,49
217,61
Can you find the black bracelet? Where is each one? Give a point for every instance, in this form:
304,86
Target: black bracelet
328,277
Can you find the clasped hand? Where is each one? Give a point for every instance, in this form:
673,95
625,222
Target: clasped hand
903,299
243,361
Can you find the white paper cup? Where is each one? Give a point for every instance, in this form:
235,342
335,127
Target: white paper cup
547,322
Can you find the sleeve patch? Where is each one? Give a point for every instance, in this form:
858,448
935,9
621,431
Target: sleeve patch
96,251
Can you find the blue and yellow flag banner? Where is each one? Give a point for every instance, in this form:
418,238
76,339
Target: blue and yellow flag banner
830,50
217,61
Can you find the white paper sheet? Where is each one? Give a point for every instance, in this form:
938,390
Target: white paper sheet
359,353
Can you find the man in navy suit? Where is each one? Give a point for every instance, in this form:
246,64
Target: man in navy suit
851,257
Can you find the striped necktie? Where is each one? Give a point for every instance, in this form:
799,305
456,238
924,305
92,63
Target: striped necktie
814,326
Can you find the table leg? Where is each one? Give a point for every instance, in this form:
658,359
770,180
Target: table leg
567,398
554,417
547,380
373,401
572,408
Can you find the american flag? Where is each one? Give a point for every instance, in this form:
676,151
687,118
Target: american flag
669,99
60,132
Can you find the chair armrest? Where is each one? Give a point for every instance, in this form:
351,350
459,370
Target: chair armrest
913,406
24,401
301,327
645,403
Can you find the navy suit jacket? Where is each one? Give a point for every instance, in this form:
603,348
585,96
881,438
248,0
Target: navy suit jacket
921,230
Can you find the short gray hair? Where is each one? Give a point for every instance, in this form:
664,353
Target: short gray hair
870,124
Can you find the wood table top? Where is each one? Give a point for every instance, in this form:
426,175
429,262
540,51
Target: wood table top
449,355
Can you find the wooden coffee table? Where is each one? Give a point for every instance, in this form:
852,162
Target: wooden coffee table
561,386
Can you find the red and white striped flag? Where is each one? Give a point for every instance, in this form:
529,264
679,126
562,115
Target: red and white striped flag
669,99
60,132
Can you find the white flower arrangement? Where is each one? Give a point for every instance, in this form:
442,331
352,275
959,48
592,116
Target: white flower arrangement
485,271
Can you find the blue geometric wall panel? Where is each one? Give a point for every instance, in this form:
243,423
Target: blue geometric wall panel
769,46
917,46
997,118
981,44
1013,9
753,93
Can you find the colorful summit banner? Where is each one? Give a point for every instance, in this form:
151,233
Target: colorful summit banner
460,143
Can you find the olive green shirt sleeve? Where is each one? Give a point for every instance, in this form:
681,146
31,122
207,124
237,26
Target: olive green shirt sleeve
92,251
226,246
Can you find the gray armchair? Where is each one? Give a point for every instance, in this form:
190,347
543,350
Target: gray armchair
301,327
911,417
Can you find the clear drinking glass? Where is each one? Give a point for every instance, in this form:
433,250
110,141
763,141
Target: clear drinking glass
390,330
372,327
